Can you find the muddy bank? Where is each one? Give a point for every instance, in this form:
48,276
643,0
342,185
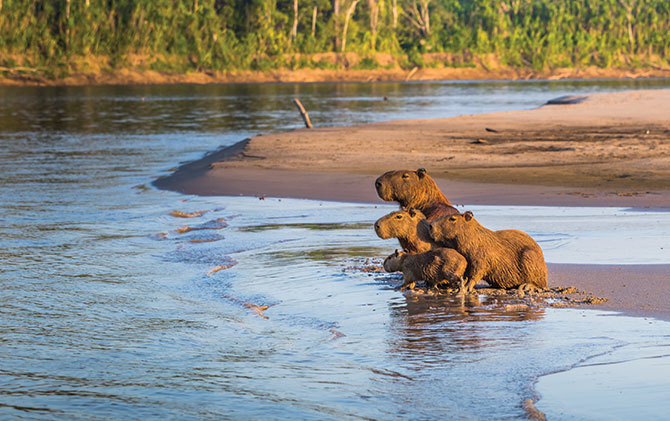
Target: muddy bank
142,76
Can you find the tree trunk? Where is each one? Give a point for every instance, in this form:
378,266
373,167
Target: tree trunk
336,22
426,16
395,14
350,12
373,5
294,29
67,9
314,22
420,17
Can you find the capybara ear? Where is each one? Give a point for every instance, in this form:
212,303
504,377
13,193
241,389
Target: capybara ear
396,253
412,212
421,172
468,215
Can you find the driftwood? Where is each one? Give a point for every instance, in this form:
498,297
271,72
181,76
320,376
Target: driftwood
303,113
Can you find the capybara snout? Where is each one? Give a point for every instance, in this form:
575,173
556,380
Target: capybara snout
414,189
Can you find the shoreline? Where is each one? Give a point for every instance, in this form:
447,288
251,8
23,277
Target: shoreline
599,150
141,76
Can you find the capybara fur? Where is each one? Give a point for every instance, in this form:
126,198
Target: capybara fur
414,189
504,259
409,227
435,267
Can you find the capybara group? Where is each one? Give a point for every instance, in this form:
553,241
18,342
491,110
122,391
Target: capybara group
409,227
414,189
435,267
504,259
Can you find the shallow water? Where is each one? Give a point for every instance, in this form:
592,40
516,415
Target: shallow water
108,311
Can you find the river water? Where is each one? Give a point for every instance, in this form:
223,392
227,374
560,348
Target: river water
109,310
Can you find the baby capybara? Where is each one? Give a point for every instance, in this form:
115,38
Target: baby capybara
504,259
409,227
435,267
414,189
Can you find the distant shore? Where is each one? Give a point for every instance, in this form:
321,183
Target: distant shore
600,150
140,76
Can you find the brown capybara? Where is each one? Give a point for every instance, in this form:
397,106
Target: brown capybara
409,227
414,189
504,259
435,267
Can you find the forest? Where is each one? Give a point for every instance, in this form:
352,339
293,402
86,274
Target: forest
224,35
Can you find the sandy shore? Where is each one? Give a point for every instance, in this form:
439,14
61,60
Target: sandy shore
600,150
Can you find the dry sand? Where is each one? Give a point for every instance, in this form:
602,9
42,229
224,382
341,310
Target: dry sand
600,150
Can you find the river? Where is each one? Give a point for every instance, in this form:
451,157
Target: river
109,310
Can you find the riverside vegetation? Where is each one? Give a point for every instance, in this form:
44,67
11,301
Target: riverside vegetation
52,39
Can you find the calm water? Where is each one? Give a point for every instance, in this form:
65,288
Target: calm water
107,311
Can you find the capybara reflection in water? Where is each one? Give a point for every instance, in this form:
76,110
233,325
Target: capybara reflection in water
436,267
409,227
414,189
504,259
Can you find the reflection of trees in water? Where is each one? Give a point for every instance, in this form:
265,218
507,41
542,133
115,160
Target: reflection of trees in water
447,329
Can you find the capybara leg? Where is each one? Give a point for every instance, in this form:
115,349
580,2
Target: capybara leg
407,285
528,288
467,286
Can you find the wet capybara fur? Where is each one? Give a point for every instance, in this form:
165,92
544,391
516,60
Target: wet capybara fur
409,227
414,189
440,266
504,259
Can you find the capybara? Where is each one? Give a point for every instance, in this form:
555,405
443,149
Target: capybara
435,267
414,189
504,259
409,227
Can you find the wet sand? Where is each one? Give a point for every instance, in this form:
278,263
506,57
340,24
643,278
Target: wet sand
600,150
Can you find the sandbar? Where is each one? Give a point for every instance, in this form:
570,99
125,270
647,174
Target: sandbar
598,150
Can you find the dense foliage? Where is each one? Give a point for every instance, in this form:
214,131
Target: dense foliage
263,34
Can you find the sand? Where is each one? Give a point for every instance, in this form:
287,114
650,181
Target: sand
599,150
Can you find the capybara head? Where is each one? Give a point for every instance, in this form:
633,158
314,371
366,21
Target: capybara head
399,224
393,263
414,189
449,227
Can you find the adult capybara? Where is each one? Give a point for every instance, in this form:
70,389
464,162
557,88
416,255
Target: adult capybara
409,227
435,267
414,189
504,259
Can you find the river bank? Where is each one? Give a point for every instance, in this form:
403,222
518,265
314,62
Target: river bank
597,150
94,75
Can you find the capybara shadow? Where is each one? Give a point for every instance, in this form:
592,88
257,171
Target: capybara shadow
409,227
439,267
504,259
414,189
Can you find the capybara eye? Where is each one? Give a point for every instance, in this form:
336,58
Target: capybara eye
398,217
405,175
452,219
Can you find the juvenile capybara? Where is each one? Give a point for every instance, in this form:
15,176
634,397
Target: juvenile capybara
504,259
435,267
409,227
414,189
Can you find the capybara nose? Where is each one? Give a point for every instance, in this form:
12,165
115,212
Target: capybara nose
376,226
378,184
